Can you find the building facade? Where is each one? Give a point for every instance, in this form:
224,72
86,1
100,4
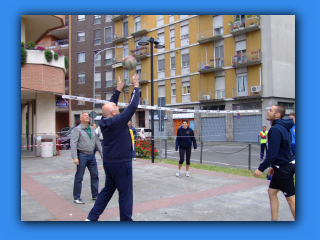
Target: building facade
91,36
210,62
41,82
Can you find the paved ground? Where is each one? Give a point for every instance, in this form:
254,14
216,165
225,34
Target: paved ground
47,185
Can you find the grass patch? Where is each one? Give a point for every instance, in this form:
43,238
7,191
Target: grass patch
233,171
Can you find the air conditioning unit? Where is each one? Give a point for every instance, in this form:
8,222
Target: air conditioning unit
255,89
145,102
206,97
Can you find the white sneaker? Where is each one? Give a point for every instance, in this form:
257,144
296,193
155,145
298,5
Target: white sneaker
134,159
87,219
187,174
178,174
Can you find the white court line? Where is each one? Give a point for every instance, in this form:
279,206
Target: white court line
217,162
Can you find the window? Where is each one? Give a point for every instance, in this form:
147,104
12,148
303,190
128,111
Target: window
97,59
286,104
173,89
108,58
81,78
220,87
242,85
125,75
108,18
185,60
186,89
172,37
81,57
125,29
109,78
171,18
107,35
160,20
80,102
97,37
81,36
108,96
219,56
161,37
81,18
183,16
161,65
239,20
218,25
185,32
173,62
97,19
97,80
125,51
137,24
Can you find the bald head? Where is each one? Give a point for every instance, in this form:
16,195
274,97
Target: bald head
110,109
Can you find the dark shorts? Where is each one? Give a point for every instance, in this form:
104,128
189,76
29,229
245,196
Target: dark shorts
282,179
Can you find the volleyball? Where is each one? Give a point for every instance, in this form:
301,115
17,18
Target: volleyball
129,63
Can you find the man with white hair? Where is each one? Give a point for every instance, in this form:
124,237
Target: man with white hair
83,142
117,153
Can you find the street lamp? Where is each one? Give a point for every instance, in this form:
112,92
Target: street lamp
158,44
94,72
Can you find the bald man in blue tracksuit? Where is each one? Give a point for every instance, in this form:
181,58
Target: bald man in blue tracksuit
117,154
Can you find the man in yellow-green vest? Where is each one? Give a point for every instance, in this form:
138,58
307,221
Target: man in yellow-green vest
263,142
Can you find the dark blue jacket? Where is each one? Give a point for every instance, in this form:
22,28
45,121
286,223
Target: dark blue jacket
117,143
279,144
185,137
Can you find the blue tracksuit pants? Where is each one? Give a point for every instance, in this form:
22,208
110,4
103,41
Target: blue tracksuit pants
118,176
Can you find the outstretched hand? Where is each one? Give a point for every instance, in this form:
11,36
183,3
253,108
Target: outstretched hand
120,84
135,80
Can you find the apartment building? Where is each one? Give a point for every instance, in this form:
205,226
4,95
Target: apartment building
91,37
41,82
210,62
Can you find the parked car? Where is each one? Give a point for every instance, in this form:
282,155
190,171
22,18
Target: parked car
66,130
64,139
144,133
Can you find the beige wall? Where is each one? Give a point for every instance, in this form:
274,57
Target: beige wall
23,30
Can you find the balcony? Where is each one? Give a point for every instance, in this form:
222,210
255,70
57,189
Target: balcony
246,59
210,35
117,60
120,36
143,77
249,25
144,101
213,65
140,52
251,92
118,17
139,30
62,45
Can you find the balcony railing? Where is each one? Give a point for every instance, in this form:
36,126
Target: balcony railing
143,77
139,29
55,44
210,35
251,92
117,60
118,17
140,52
246,59
120,36
212,66
250,24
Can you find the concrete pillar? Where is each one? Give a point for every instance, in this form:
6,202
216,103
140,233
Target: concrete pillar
197,123
23,126
45,118
170,125
229,124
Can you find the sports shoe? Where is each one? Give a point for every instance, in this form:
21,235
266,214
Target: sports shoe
78,201
94,198
178,174
134,159
87,219
187,174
